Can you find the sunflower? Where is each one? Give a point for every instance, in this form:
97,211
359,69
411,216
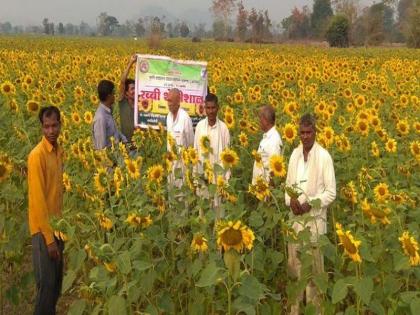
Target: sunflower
170,157
138,221
205,144
374,149
259,189
347,93
278,166
199,243
238,97
155,173
76,118
7,88
404,100
234,235
66,181
88,117
229,158
13,105
243,139
381,192
230,121
349,243
391,145
289,132
110,267
208,171
410,247
350,193
133,168
359,101
5,170
415,149
32,106
185,156
362,126
375,212
193,156
416,126
258,158
118,180
101,180
328,136
403,127
104,221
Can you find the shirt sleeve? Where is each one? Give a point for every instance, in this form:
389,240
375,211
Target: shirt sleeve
289,178
38,210
328,195
99,133
196,139
189,132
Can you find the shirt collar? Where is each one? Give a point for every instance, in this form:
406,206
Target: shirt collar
215,125
270,132
47,145
106,108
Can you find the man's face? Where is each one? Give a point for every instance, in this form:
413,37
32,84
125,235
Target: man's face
211,110
173,102
129,94
264,124
307,136
51,128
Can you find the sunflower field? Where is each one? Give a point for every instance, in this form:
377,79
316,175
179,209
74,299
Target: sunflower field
135,246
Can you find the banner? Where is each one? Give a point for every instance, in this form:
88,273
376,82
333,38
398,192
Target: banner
155,76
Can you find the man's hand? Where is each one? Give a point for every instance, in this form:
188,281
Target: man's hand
53,251
295,206
306,207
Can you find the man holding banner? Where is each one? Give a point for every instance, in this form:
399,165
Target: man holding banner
180,132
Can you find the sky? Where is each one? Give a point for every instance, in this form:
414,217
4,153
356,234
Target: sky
31,12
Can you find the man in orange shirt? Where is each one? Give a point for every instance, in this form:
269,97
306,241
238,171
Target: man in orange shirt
45,192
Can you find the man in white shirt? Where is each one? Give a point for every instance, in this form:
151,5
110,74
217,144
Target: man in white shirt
219,138
180,129
270,144
311,170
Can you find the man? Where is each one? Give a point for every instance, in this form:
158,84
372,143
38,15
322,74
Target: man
311,170
104,126
45,192
180,130
126,101
270,144
215,129
218,134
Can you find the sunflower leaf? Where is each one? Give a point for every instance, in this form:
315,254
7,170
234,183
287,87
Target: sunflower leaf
339,291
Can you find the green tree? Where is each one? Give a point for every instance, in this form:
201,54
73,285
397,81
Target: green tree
321,13
241,22
337,33
184,30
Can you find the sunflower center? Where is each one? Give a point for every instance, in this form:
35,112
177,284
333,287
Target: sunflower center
348,245
2,170
232,237
409,247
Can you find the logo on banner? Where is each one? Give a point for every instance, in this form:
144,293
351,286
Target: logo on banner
144,66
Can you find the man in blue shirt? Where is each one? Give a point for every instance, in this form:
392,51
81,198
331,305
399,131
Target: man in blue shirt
104,126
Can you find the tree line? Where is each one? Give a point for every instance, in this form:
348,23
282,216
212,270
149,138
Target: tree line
342,23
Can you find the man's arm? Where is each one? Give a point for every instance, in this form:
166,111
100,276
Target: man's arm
124,76
189,132
328,195
99,133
